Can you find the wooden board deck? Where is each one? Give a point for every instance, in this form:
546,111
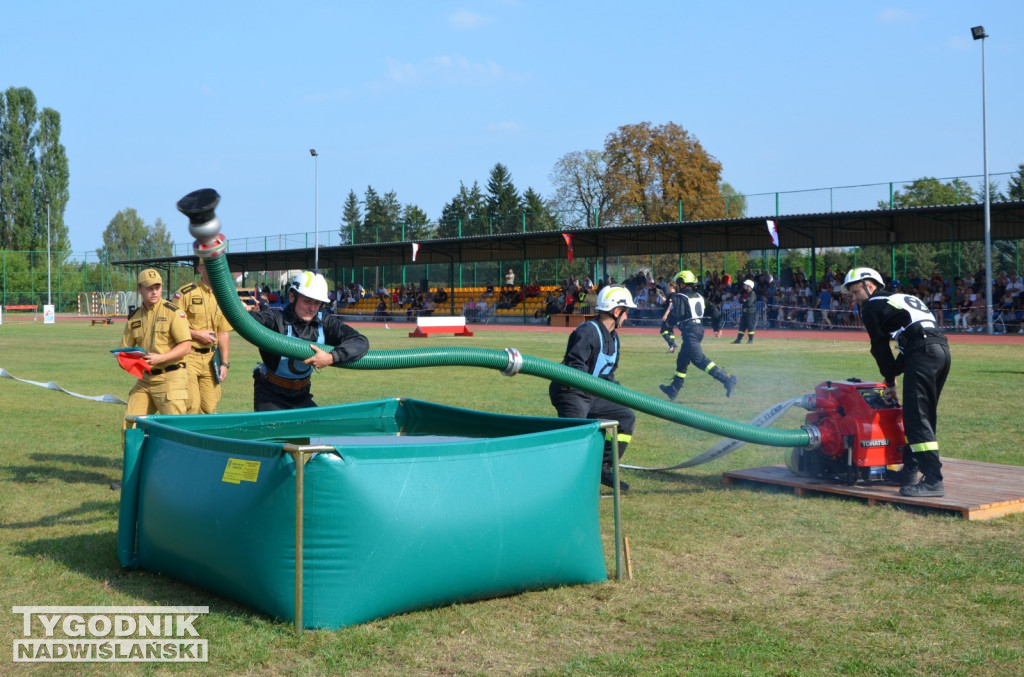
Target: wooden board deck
975,490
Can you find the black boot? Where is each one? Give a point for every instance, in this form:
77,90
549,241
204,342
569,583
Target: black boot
750,338
672,391
905,476
924,489
931,468
739,339
608,480
725,379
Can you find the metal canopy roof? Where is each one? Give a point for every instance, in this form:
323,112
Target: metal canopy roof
957,223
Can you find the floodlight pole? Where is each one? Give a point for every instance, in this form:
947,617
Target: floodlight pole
316,209
49,300
978,33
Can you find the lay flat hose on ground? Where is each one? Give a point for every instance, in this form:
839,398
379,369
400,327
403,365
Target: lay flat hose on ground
504,361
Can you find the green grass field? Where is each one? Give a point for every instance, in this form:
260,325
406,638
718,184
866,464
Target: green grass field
728,580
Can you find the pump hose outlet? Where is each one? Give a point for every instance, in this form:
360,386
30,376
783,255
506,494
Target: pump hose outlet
210,246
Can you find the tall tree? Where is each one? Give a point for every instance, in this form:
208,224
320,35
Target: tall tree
1015,187
929,191
351,217
125,237
417,223
651,169
734,204
383,220
52,184
539,216
465,215
18,212
158,241
581,188
504,206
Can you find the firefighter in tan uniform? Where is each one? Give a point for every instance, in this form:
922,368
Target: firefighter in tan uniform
209,330
161,329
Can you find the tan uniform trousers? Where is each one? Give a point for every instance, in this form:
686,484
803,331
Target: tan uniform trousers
203,390
165,393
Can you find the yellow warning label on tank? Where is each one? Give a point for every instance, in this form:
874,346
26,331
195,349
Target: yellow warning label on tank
238,471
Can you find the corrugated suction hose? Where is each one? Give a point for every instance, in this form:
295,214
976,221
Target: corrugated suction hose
211,247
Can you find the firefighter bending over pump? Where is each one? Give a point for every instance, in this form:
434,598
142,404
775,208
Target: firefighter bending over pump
924,362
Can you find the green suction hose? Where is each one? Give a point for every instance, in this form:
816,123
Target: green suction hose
210,246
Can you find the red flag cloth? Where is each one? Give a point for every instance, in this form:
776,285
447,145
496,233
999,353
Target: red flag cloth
774,232
568,243
134,363
415,250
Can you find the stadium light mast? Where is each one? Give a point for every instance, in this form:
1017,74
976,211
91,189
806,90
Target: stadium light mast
316,209
978,33
49,300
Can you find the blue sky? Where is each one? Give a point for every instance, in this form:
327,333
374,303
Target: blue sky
158,99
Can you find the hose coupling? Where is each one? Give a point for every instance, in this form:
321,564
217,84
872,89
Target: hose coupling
814,434
210,249
515,362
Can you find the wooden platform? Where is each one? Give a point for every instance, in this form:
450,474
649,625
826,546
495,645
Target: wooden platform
976,490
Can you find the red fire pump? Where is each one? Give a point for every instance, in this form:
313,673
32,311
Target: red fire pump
856,433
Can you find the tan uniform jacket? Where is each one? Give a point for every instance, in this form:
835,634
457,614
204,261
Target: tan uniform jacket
203,313
158,330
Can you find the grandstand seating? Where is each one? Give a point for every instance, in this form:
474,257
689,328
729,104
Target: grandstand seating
367,306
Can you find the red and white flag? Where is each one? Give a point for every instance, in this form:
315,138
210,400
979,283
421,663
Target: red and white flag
415,250
568,243
772,230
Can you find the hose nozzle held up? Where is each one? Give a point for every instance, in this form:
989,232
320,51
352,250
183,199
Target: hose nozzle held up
204,225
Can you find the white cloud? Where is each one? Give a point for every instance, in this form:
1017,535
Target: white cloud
504,127
468,21
450,70
895,15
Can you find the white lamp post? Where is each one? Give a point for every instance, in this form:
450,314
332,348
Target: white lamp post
316,209
49,300
978,33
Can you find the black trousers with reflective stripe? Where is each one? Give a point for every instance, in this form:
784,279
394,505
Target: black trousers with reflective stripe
572,403
926,367
692,352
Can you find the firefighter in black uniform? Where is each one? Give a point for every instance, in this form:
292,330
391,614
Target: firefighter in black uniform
283,382
924,362
748,312
593,348
668,331
686,310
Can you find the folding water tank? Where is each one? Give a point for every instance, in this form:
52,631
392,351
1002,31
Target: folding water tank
404,505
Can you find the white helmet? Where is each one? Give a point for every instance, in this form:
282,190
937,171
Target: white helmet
311,285
748,283
614,296
857,274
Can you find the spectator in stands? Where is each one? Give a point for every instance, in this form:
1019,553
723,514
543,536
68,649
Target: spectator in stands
1015,285
488,291
510,278
440,296
415,306
482,310
553,306
428,306
825,304
381,313
469,310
